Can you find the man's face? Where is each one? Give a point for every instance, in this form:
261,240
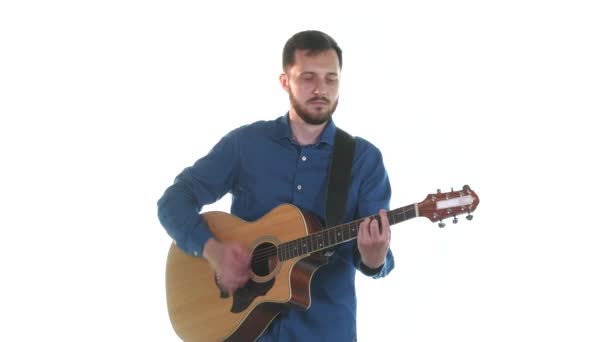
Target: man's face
313,85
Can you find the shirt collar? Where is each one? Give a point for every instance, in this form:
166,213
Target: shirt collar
284,131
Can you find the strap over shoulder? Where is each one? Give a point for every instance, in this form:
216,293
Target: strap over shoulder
339,178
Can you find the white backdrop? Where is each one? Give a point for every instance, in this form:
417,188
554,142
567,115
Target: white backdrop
103,103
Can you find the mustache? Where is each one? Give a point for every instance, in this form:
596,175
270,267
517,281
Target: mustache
319,98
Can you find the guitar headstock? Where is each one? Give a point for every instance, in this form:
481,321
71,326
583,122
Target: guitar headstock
439,206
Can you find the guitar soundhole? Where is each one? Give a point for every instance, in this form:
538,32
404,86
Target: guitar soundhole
264,259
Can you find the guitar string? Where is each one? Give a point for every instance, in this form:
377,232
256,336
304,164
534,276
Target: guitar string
262,254
271,251
268,251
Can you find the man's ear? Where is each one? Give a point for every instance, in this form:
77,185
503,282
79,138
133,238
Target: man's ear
284,81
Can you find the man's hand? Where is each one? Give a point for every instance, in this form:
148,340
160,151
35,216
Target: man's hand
373,240
232,263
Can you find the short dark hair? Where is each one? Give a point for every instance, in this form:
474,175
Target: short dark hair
313,41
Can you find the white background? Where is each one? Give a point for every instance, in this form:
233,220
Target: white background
103,103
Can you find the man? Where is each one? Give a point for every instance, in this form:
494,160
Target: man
287,160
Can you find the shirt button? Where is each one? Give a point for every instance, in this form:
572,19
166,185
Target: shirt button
303,158
299,187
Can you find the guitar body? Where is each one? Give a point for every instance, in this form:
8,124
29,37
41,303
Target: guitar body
286,246
201,311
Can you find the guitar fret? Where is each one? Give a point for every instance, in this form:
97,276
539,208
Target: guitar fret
284,251
299,247
294,249
335,235
336,241
320,241
290,249
309,243
285,256
392,219
323,242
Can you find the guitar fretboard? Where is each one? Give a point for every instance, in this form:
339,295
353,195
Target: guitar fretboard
334,236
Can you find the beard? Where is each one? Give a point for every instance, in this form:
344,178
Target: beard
314,117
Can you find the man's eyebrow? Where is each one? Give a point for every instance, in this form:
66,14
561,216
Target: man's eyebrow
314,73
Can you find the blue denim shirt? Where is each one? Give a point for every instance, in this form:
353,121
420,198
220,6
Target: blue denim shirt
262,166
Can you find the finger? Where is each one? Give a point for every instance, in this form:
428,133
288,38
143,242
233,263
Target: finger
243,254
242,280
374,230
226,285
364,229
239,279
243,269
242,257
246,259
234,283
386,225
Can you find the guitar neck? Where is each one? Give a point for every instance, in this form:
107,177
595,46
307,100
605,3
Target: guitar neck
339,234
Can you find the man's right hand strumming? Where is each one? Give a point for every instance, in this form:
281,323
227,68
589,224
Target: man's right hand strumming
232,263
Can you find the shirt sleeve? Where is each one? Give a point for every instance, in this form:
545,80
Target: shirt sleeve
205,182
374,194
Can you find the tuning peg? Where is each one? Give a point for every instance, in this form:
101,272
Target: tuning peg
441,224
455,220
469,217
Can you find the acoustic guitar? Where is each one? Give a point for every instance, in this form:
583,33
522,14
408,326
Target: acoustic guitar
287,246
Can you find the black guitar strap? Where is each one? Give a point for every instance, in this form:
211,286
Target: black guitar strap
339,178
